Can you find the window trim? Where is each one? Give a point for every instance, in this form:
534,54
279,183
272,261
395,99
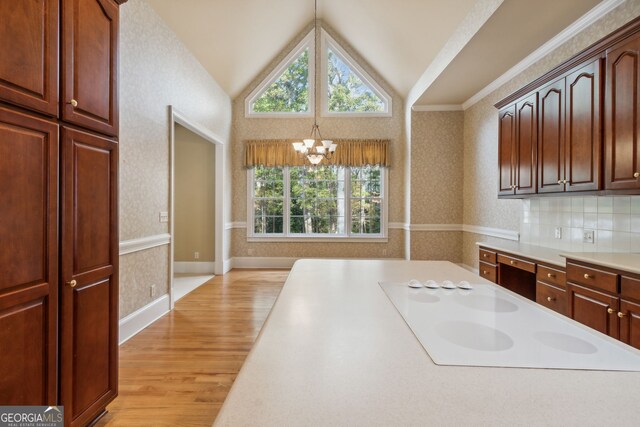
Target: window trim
326,42
382,237
308,42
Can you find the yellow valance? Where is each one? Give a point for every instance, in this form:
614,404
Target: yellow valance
350,152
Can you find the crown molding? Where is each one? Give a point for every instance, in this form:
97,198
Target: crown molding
583,22
438,107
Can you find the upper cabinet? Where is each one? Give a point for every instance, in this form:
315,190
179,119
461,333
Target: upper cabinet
571,132
582,125
622,155
29,55
89,95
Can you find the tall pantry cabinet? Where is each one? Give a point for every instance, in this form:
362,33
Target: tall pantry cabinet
58,205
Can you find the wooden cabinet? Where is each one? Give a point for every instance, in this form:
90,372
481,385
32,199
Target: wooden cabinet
89,263
89,95
587,131
28,259
630,323
526,146
551,146
551,288
597,310
517,147
29,54
582,126
506,150
622,122
59,283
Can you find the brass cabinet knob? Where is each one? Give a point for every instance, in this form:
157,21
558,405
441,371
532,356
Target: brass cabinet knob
484,255
559,181
621,314
610,310
512,262
636,175
549,275
564,181
586,276
73,103
550,299
485,272
72,283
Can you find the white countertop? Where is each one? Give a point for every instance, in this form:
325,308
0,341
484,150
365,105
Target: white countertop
547,255
619,261
335,351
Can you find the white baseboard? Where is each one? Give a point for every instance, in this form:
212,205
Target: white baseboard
194,267
143,317
227,265
262,262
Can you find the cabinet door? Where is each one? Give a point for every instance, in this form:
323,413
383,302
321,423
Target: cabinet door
28,259
582,143
506,150
551,138
29,54
594,309
526,145
630,323
622,155
89,272
90,64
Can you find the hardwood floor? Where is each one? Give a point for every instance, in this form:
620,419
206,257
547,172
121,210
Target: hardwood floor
178,371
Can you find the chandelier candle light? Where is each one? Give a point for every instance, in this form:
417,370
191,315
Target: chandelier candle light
315,148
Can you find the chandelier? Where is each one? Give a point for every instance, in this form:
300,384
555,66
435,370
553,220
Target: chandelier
314,148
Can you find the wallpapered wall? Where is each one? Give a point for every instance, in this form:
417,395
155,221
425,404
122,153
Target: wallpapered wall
481,206
332,127
436,183
156,70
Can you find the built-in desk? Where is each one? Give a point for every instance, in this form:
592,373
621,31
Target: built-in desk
600,290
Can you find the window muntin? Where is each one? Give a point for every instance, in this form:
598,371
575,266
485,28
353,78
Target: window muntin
324,201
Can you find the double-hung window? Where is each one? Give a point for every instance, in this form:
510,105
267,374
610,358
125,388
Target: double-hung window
320,201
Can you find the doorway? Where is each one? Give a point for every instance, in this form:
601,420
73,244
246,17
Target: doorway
196,223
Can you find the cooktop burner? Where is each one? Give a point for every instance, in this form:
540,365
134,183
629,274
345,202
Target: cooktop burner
490,326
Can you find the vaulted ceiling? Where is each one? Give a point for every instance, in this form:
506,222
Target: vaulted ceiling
403,40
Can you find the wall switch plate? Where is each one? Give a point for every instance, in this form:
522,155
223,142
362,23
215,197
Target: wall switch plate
588,236
164,216
196,255
558,233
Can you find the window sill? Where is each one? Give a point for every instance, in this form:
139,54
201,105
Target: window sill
318,239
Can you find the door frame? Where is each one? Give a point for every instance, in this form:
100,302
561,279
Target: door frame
176,116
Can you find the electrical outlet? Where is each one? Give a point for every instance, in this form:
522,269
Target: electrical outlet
196,255
152,291
164,216
588,236
558,233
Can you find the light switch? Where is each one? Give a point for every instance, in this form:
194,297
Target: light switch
164,216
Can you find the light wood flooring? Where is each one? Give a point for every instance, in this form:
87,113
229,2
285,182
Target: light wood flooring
178,371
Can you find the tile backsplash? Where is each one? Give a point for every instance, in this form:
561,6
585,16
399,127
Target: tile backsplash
615,222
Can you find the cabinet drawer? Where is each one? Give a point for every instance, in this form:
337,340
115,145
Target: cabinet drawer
488,271
487,256
592,278
517,263
551,297
551,276
630,288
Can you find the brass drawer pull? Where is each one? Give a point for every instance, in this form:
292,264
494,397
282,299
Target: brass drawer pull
512,262
549,275
485,272
550,299
610,310
588,276
72,283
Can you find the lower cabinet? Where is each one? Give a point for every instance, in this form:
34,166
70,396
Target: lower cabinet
630,323
594,309
551,297
89,265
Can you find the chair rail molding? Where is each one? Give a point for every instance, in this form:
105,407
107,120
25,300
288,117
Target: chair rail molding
142,243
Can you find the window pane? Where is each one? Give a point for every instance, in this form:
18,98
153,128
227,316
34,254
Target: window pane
347,92
290,92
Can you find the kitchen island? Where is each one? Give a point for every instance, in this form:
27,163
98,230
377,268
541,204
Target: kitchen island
335,351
